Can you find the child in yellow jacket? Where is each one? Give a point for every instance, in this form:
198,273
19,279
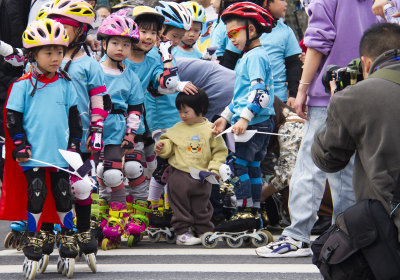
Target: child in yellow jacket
190,143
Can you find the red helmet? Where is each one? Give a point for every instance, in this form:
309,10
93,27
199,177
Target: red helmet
248,10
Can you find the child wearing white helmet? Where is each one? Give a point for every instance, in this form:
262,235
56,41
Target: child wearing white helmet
42,117
186,48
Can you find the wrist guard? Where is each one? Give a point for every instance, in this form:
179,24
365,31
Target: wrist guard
165,50
169,78
21,147
96,135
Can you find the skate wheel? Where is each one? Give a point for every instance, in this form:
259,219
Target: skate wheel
234,243
69,266
44,261
136,239
91,261
262,241
154,237
16,241
30,269
207,241
130,240
171,239
60,264
105,244
8,241
270,236
247,241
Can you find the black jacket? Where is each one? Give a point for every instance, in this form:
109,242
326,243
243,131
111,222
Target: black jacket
13,21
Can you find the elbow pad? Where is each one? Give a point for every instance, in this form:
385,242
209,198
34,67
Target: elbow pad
257,100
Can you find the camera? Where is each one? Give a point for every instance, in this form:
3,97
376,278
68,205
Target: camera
343,76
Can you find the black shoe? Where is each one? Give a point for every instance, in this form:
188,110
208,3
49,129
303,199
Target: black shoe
321,225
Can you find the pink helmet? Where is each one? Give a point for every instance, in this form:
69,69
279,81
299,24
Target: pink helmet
115,25
44,32
78,10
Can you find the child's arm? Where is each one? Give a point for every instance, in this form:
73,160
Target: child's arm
22,151
169,80
257,100
164,147
75,129
219,152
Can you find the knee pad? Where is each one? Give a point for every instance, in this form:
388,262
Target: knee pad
81,189
113,178
134,172
37,192
62,195
159,173
100,171
254,169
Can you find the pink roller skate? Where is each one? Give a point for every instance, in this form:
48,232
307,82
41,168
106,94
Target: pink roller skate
138,222
115,226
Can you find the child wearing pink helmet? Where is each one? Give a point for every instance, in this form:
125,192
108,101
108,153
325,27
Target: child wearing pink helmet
117,34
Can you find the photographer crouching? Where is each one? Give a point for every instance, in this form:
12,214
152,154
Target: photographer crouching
365,119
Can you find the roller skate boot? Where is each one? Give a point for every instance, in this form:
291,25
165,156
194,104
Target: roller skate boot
49,239
242,227
14,237
160,226
115,226
32,246
88,246
68,251
138,223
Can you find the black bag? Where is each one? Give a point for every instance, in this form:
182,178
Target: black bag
364,247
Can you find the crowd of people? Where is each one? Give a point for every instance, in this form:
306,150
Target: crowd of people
117,124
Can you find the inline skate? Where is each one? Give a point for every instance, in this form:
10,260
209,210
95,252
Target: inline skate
242,227
160,226
32,246
14,237
139,221
115,227
68,250
88,246
49,239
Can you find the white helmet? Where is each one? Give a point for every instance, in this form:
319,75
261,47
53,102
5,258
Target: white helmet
175,14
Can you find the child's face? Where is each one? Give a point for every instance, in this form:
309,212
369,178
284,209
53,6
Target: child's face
148,37
49,58
103,13
278,8
175,35
189,116
237,34
193,34
118,48
72,32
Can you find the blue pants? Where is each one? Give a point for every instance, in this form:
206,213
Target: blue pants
247,163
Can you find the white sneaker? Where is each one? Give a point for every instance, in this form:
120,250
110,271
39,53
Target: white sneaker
285,247
187,239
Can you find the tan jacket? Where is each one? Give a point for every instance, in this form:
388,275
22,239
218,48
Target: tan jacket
193,146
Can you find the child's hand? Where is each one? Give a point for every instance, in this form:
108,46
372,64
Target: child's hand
128,144
219,126
159,147
240,127
189,88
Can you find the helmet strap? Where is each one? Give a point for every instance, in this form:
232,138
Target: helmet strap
186,46
248,40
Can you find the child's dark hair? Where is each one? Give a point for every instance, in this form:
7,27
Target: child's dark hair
198,102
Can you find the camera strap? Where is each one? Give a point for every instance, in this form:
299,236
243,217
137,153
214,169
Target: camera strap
392,76
387,74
